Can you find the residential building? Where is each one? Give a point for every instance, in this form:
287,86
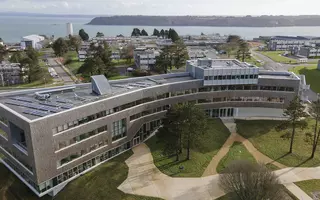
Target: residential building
51,136
306,51
145,59
282,43
34,41
10,74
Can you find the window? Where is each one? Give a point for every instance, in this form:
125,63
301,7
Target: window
229,77
215,78
118,129
242,76
206,78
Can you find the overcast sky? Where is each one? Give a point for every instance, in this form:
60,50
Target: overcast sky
164,7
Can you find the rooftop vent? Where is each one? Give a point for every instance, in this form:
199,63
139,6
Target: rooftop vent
100,85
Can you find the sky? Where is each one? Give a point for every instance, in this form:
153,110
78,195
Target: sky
164,7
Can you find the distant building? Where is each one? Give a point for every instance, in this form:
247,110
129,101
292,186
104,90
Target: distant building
282,43
197,52
306,51
145,59
10,74
69,29
34,41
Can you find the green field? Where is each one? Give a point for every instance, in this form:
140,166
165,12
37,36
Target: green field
277,57
99,184
200,157
309,186
266,139
312,75
237,152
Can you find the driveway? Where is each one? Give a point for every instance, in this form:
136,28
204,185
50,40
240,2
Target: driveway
60,71
144,178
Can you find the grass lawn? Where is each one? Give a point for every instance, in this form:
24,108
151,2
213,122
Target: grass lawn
276,56
312,76
309,186
123,62
267,140
99,184
237,152
200,157
72,61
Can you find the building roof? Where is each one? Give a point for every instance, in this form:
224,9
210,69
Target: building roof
219,63
33,37
34,103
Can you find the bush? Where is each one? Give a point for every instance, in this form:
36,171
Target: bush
139,72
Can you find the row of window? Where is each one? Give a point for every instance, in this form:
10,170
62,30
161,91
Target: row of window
231,77
220,112
94,161
81,153
105,113
167,95
81,137
259,99
244,87
148,112
119,129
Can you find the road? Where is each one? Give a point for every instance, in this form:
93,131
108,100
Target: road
274,66
60,71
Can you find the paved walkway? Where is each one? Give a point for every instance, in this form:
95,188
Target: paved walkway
144,178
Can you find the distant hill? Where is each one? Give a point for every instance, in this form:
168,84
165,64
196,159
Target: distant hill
227,21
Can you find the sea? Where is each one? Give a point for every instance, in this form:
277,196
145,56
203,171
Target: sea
12,28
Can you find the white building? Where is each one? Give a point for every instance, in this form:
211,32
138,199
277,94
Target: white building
34,41
69,29
145,59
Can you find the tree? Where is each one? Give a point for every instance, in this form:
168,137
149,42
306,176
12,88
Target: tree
233,39
173,35
188,123
30,63
170,134
75,42
166,34
180,54
315,113
244,180
156,32
60,47
162,33
84,36
135,32
16,57
144,33
99,61
127,53
243,50
164,60
3,52
295,112
100,34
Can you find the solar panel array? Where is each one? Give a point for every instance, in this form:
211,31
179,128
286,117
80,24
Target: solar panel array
35,113
45,108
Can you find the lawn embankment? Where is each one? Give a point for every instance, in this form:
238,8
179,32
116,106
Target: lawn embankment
312,75
278,57
236,152
201,156
309,186
275,144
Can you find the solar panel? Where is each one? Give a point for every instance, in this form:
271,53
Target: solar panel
66,106
34,106
62,101
35,113
23,99
49,104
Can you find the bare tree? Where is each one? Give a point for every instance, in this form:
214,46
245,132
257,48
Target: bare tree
244,180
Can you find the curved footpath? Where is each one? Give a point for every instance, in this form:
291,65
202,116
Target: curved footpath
144,178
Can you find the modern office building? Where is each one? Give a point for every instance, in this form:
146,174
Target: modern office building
145,59
51,136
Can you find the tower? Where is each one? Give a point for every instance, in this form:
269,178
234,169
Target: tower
69,29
